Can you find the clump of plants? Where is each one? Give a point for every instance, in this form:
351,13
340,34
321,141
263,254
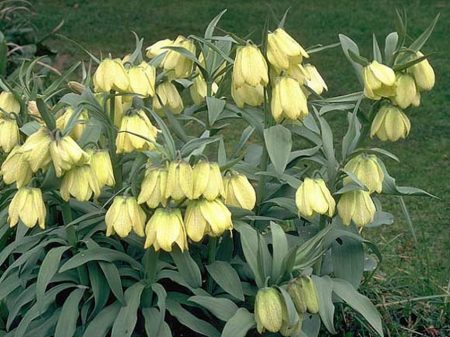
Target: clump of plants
129,207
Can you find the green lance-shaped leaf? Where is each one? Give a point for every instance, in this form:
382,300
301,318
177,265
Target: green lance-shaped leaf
102,323
358,302
278,140
238,325
126,319
48,269
348,45
215,108
390,46
222,308
189,320
348,260
67,322
187,267
97,282
227,278
112,276
280,249
324,287
423,38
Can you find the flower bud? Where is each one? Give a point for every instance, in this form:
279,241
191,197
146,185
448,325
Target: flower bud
405,91
180,181
358,206
154,187
80,182
158,48
123,216
111,75
36,149
167,97
423,73
207,180
246,94
164,229
368,171
142,79
295,291
239,192
136,133
76,87
9,103
9,134
66,153
309,293
313,79
250,67
268,310
16,169
33,110
283,50
175,63
313,197
390,123
28,206
206,217
102,168
78,127
379,81
288,100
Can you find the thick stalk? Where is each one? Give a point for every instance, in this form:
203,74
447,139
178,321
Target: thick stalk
318,265
67,219
117,170
261,189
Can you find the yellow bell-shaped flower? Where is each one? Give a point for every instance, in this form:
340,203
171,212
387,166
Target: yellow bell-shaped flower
9,103
80,182
28,206
136,133
111,75
180,181
283,50
368,171
204,217
142,79
269,308
65,154
423,73
158,48
313,197
167,97
390,123
124,216
238,191
405,91
79,126
246,94
356,206
288,100
16,169
379,81
102,167
313,79
36,149
175,63
164,229
207,180
250,67
9,134
153,187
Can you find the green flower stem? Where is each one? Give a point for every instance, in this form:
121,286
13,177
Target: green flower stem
112,145
261,189
318,265
67,219
212,249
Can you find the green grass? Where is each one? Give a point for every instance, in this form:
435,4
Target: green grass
409,270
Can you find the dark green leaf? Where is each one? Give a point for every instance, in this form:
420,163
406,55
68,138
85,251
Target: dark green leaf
280,249
102,323
67,322
278,142
222,308
238,325
227,278
126,319
187,267
324,287
348,260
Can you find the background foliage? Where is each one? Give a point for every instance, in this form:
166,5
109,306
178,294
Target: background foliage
415,269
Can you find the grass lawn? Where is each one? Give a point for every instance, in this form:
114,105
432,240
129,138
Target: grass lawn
409,270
